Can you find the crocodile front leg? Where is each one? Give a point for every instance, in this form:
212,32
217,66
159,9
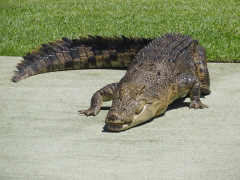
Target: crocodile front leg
104,94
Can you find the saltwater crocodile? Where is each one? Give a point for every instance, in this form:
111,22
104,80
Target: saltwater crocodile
163,70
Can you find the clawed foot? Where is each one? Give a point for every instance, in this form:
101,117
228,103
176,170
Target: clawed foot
88,112
197,104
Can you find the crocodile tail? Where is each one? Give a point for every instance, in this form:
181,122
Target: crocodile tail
81,53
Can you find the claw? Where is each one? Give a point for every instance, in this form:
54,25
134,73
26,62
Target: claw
89,112
197,105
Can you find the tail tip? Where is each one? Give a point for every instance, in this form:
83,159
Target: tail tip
16,77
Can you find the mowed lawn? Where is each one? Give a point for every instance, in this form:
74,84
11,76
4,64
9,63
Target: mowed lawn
26,24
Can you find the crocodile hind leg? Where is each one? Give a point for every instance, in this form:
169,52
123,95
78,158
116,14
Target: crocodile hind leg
104,94
195,101
188,83
199,56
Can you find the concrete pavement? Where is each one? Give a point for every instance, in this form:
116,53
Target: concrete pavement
43,137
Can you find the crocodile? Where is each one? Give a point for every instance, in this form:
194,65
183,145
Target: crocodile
160,71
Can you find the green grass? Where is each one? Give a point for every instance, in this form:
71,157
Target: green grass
26,24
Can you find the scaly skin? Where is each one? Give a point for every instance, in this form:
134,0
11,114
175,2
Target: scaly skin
168,68
82,53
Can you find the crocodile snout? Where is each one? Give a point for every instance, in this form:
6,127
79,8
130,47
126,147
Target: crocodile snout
113,118
116,122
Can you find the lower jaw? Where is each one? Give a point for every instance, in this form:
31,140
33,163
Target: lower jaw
118,127
123,126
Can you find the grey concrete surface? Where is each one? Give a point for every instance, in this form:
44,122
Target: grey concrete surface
43,137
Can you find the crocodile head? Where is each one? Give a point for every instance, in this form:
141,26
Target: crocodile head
131,106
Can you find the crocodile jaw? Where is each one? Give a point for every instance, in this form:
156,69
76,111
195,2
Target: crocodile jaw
148,112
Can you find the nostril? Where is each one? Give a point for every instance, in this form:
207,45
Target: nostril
109,119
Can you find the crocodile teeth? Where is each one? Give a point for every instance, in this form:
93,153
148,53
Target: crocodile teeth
118,126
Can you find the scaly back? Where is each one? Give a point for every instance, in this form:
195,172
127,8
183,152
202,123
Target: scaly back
162,60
